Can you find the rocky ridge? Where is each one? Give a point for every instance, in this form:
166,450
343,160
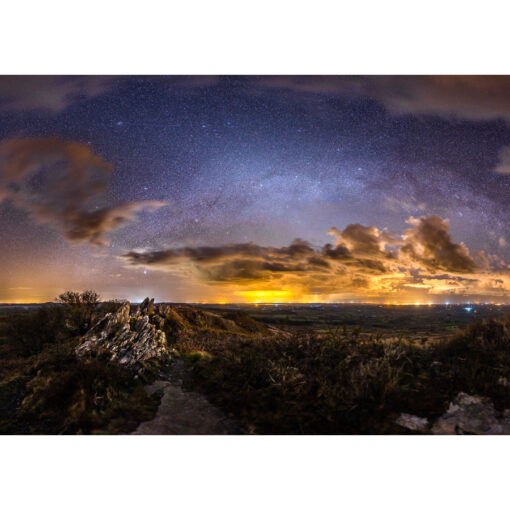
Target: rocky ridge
136,336
130,339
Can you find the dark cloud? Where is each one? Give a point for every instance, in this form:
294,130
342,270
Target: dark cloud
57,182
503,164
362,240
428,243
477,98
53,94
241,263
93,226
49,93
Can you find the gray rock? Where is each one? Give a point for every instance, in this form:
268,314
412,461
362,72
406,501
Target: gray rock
133,338
472,414
128,340
146,307
412,422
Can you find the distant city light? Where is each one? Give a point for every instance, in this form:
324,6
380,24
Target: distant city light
468,308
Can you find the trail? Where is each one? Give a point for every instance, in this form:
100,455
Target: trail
184,412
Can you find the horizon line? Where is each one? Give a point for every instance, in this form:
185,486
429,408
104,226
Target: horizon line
278,303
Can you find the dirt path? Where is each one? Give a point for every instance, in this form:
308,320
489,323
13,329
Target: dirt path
184,412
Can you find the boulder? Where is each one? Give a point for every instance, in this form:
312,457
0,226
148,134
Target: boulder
472,414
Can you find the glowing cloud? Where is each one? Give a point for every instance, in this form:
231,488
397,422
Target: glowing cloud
364,262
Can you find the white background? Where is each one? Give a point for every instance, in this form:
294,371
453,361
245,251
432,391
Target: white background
262,37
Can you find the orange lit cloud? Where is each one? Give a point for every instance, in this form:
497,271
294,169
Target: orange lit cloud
364,262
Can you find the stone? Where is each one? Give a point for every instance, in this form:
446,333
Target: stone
146,307
472,414
130,340
185,412
412,422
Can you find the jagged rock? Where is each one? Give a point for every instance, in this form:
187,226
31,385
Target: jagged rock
134,338
130,341
472,414
161,309
412,422
146,307
157,320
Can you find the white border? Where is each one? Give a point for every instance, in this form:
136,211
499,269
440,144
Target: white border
269,37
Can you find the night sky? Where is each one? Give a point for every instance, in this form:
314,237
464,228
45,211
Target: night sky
257,189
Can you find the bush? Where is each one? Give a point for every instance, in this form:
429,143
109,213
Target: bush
345,383
79,309
28,333
85,397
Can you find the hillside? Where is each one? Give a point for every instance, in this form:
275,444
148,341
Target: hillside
156,368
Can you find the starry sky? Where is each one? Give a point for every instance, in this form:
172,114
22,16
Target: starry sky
255,188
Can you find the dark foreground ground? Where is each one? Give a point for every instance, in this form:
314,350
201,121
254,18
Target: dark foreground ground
283,369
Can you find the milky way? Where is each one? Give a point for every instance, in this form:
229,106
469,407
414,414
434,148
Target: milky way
261,160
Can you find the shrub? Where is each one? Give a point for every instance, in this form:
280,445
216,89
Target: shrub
28,333
79,309
346,383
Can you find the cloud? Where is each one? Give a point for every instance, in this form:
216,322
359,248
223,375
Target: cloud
93,226
363,261
362,240
53,94
503,164
476,98
49,93
58,182
247,265
428,244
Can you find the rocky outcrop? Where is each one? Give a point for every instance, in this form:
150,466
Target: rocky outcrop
134,337
466,414
146,307
471,414
129,339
